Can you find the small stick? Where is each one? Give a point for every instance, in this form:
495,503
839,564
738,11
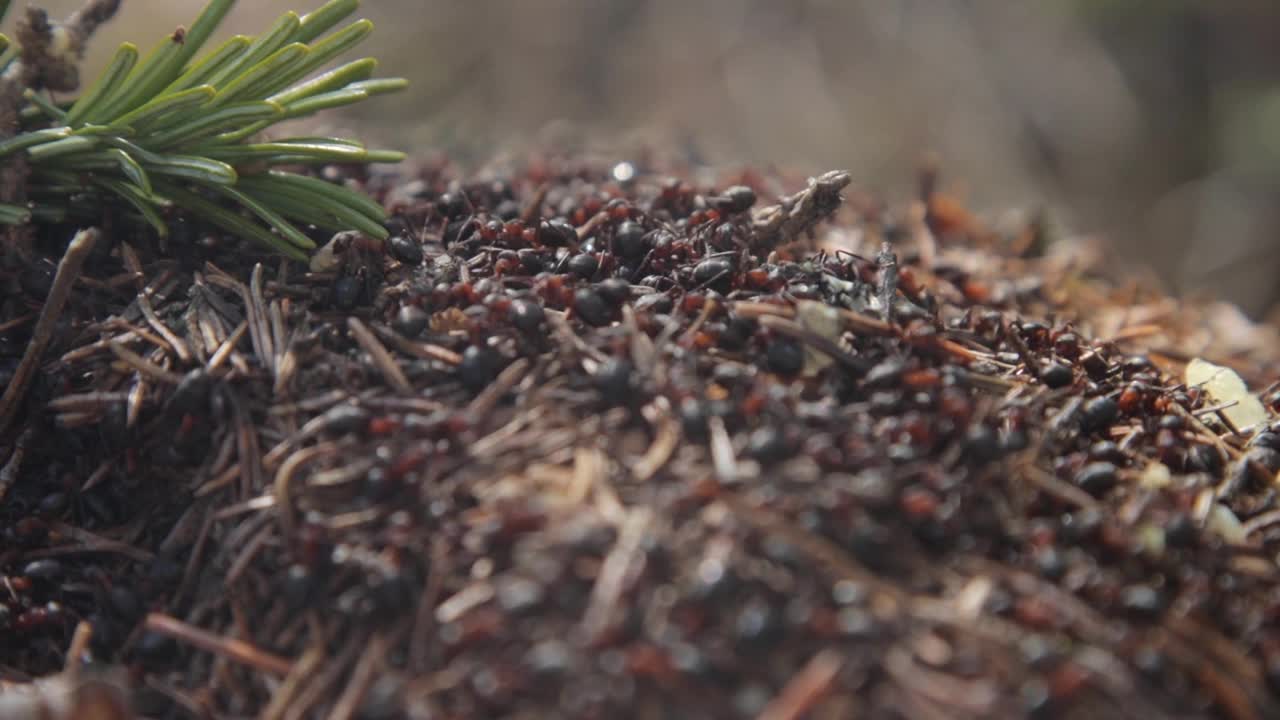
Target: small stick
361,679
198,330
423,351
559,322
194,557
618,564
1222,652
590,226
210,327
9,473
960,352
966,698
1133,332
19,321
279,328
68,268
1219,667
1215,408
1213,437
483,403
246,555
752,309
114,282
143,365
92,542
722,455
149,313
708,307
991,383
97,476
1258,522
822,344
386,364
284,478
73,420
133,405
76,650
464,601
641,345
107,547
666,438
1085,620
236,650
287,369
588,471
259,325
1013,335
178,697
248,451
866,325
532,211
312,404
420,641
139,333
228,346
85,351
221,471
324,679
252,505
316,424
486,445
306,666
805,688
1049,483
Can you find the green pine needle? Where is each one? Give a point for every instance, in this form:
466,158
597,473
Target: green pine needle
172,130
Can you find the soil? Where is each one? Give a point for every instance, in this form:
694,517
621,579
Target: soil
581,440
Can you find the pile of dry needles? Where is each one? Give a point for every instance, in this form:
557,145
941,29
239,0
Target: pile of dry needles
582,441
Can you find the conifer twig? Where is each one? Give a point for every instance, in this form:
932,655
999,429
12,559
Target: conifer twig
178,129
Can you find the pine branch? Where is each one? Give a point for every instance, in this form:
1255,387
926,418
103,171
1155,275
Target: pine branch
172,130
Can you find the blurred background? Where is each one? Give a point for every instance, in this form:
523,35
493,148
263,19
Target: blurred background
1154,124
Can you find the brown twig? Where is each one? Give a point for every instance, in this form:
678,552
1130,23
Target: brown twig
805,689
363,676
77,252
9,473
89,543
178,344
382,359
306,666
1048,483
236,650
143,365
602,610
666,438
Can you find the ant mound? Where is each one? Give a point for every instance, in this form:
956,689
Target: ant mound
580,440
